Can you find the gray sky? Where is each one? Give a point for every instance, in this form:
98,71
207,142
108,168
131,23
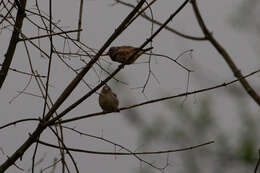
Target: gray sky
99,21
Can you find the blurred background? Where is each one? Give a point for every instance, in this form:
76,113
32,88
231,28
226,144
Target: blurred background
226,115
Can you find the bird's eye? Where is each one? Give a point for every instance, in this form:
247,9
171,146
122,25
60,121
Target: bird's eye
112,49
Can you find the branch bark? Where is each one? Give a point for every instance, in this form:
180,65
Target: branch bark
13,42
41,127
237,73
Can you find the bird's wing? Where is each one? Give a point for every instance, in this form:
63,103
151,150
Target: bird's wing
126,50
113,94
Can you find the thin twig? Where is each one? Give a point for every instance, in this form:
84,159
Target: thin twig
121,66
159,23
40,83
19,121
174,60
113,143
80,19
48,35
258,162
52,122
25,73
237,73
127,153
21,92
41,127
76,44
13,42
129,107
53,166
7,14
66,149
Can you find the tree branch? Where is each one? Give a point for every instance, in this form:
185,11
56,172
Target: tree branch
13,42
224,54
52,122
160,24
41,127
126,153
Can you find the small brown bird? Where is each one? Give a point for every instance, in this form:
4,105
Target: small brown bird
122,54
108,100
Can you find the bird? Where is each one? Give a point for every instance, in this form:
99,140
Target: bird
121,54
108,100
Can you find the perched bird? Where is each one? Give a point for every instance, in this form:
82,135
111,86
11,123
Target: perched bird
122,54
108,100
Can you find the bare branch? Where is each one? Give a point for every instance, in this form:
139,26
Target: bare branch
80,19
127,153
258,162
51,122
48,35
33,138
13,42
237,73
159,23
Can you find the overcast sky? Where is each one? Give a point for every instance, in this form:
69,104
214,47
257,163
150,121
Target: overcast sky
100,19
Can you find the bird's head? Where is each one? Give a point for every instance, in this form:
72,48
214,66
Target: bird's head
106,89
112,52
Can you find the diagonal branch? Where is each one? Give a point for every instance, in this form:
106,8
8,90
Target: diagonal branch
13,42
121,66
237,73
160,24
41,127
51,122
